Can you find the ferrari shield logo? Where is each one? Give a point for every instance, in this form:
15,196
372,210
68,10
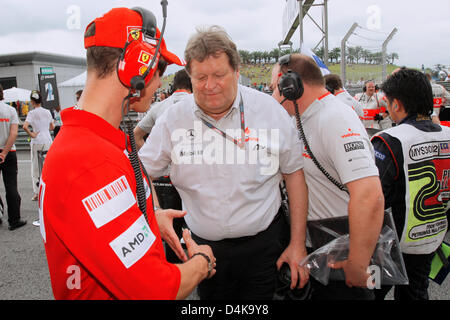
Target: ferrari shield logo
134,32
144,57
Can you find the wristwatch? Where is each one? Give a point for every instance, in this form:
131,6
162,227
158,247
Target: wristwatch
210,266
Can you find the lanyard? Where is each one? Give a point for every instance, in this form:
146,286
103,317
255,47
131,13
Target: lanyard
223,134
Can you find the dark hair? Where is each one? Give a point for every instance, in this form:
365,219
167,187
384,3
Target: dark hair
306,68
1,92
333,81
412,88
101,59
181,80
36,100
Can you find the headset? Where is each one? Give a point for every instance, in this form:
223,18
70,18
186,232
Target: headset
365,85
291,88
135,68
290,84
283,290
139,59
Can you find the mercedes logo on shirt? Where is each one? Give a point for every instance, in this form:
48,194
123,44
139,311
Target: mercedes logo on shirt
190,134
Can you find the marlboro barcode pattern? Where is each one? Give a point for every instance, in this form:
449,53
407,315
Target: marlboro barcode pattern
107,193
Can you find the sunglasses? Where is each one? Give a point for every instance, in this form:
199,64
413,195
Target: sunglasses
284,60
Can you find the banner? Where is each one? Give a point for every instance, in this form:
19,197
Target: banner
49,90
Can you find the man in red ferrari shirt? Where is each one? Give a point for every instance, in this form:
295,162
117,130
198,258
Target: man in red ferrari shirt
99,243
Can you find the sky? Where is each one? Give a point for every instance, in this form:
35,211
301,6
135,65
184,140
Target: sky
58,26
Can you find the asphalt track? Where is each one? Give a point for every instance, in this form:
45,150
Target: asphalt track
23,265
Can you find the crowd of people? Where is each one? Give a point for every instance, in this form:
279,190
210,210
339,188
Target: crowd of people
191,197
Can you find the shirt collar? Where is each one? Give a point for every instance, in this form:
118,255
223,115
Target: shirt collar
234,107
99,126
312,107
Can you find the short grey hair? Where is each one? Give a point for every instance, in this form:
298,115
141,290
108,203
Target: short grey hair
211,41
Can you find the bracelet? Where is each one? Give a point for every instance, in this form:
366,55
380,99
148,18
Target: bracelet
210,267
156,208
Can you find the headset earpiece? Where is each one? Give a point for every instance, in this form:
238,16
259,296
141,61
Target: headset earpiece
291,86
134,63
137,54
148,21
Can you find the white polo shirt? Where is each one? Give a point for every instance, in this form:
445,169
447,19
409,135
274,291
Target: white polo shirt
228,192
341,145
371,106
40,119
346,98
147,123
440,96
8,116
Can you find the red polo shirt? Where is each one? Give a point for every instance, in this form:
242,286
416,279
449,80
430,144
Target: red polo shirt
97,241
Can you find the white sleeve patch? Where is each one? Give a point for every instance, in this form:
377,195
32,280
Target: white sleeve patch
132,245
41,209
109,202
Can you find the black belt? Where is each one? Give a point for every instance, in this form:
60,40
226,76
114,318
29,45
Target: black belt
247,238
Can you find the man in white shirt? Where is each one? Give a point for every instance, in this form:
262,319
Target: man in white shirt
182,87
167,195
440,97
334,83
9,124
41,121
374,107
228,148
339,143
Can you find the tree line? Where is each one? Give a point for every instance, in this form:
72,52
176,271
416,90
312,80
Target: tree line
353,55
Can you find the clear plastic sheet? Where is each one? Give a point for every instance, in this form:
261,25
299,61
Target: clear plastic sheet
331,237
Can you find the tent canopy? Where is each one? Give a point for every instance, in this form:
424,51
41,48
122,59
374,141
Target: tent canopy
78,81
16,94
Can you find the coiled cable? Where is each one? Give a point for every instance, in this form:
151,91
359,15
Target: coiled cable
308,150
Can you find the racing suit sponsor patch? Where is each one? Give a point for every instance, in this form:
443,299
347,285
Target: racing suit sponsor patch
132,245
109,202
352,146
379,155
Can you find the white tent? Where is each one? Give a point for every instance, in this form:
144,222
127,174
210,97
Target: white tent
77,81
67,90
16,94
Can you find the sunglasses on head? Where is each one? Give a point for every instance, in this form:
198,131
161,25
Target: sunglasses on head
284,60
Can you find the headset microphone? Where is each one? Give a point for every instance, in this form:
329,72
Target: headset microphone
139,82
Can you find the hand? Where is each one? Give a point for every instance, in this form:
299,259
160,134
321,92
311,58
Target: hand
34,134
355,275
2,157
165,223
292,256
193,248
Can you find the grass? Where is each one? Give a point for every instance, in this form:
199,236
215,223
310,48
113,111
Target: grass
366,71
258,73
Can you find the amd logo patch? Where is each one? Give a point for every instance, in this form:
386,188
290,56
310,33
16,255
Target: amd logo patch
352,146
132,245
